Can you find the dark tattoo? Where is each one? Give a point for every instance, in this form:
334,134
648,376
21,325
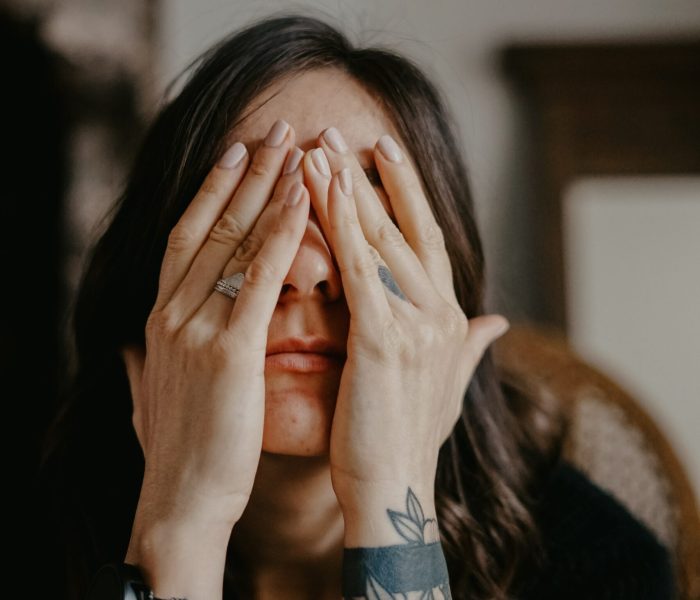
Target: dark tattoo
385,274
391,572
388,280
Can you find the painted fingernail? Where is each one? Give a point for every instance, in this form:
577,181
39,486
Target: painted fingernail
346,181
294,194
335,140
233,156
320,161
277,133
389,148
293,159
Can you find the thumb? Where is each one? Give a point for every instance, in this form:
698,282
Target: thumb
134,358
483,331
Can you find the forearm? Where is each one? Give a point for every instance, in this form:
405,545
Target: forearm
392,545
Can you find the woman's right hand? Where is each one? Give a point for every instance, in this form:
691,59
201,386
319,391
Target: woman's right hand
198,389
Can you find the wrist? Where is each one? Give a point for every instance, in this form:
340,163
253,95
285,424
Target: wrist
386,514
180,558
392,543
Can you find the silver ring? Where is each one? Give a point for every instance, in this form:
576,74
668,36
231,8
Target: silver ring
230,286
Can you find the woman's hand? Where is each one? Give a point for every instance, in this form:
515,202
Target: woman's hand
411,351
199,388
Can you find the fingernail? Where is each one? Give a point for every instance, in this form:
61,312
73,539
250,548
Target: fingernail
293,160
346,181
389,148
320,161
294,194
335,140
233,156
277,133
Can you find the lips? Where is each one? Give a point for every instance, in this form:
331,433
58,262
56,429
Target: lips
309,354
305,362
309,344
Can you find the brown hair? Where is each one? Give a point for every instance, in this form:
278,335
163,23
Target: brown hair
489,469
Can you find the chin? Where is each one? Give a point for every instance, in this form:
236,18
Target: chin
299,414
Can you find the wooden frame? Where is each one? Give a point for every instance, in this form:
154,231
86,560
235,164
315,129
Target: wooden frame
600,109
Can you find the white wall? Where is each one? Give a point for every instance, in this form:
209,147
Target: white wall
632,258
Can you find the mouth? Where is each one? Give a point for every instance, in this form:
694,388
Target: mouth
303,362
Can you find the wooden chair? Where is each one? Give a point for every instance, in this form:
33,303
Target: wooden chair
614,441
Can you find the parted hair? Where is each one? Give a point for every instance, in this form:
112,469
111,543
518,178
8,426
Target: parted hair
493,464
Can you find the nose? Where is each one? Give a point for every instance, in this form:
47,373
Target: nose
314,273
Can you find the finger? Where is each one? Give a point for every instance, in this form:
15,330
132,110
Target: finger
483,331
317,172
134,358
264,277
247,251
318,177
366,299
216,310
231,230
414,215
199,217
379,230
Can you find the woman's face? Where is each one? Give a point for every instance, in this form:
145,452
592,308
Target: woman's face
299,406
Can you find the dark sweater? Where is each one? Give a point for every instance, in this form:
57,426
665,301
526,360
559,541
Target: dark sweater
596,550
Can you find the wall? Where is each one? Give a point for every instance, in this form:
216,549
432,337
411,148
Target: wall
632,262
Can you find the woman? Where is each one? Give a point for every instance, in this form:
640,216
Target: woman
200,447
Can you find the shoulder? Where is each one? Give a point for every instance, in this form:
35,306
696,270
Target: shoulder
594,547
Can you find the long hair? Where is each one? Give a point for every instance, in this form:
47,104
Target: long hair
491,466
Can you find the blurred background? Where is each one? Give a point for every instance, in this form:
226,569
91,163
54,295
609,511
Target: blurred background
580,124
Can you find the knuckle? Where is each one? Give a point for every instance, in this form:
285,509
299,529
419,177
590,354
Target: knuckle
431,236
358,178
427,334
247,249
260,272
161,324
388,232
210,186
346,221
362,267
260,166
451,321
195,334
228,230
180,238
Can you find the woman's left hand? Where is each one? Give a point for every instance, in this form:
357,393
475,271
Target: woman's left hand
411,350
